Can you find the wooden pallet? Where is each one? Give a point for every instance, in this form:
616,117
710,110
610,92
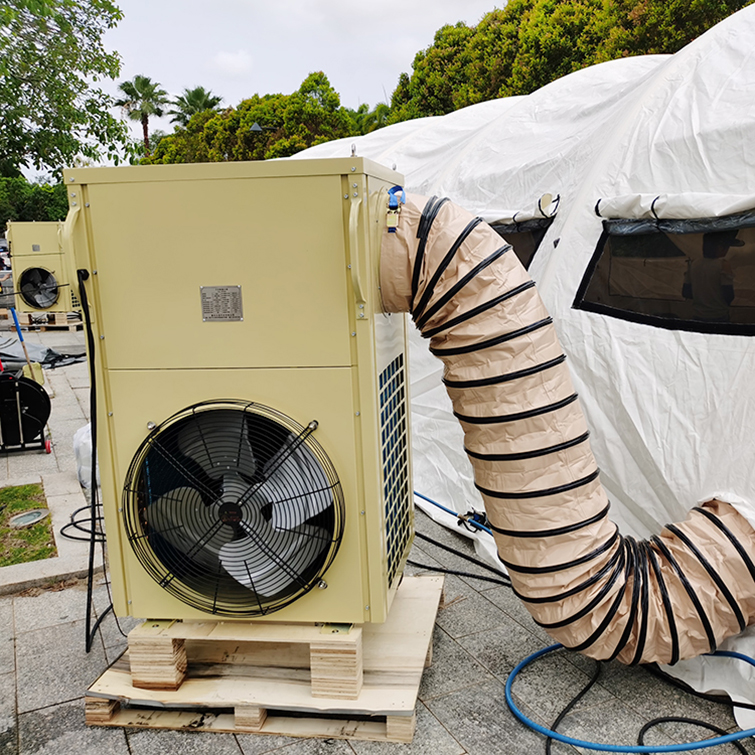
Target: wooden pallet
49,321
265,684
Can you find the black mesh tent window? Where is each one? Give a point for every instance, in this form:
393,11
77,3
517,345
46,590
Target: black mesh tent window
642,271
524,237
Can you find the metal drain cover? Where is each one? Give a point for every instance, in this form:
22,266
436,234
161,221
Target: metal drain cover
27,518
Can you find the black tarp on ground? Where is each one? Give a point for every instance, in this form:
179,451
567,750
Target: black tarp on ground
12,355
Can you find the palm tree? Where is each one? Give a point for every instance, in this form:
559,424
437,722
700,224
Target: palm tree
142,98
191,102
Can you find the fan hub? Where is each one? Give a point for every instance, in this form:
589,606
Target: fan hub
230,513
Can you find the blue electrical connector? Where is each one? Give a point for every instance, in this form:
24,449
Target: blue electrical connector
396,197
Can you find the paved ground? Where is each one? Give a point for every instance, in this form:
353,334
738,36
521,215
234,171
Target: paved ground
481,633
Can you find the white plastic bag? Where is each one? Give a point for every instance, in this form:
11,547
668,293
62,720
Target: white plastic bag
82,449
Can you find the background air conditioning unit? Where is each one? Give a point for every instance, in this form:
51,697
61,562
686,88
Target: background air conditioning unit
38,264
252,396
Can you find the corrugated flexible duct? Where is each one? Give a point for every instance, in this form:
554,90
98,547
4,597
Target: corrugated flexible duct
609,596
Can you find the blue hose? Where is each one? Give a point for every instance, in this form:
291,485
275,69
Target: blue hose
618,748
453,513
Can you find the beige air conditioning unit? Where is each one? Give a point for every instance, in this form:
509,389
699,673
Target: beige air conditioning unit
252,395
38,263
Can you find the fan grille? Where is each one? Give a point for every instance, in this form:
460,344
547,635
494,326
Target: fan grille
233,508
395,450
38,288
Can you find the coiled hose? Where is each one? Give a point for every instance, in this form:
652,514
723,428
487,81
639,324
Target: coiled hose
594,590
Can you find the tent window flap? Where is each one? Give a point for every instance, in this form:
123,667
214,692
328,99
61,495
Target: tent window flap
692,274
524,237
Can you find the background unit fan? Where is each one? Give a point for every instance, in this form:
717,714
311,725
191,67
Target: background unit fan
38,288
233,508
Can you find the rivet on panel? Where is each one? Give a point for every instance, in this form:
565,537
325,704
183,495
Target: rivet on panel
356,414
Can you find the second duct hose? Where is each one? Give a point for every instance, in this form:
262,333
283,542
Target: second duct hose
609,596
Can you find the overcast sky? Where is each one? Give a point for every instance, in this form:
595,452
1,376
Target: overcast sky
238,48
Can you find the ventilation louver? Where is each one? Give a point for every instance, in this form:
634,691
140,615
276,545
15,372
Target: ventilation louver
233,508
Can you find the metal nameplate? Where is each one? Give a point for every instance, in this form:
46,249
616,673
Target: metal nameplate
221,304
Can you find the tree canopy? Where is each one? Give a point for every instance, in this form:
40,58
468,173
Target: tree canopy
287,124
21,200
51,56
141,99
529,43
191,102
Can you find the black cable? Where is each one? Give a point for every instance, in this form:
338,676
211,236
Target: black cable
95,536
682,720
77,524
652,668
456,573
562,715
471,559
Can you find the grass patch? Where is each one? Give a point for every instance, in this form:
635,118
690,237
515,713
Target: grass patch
18,546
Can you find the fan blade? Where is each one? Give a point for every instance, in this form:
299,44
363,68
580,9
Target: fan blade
218,447
183,519
297,486
268,561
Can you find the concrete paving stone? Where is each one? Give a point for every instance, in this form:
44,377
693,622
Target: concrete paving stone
465,611
260,744
430,738
66,407
53,667
7,708
49,608
315,747
649,697
610,723
501,648
60,730
77,376
83,398
24,463
482,723
60,483
7,646
504,598
452,669
163,742
549,684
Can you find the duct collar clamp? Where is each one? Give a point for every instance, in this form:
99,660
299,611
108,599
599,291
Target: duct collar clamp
396,197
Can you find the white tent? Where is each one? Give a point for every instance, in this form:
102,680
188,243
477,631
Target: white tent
663,138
